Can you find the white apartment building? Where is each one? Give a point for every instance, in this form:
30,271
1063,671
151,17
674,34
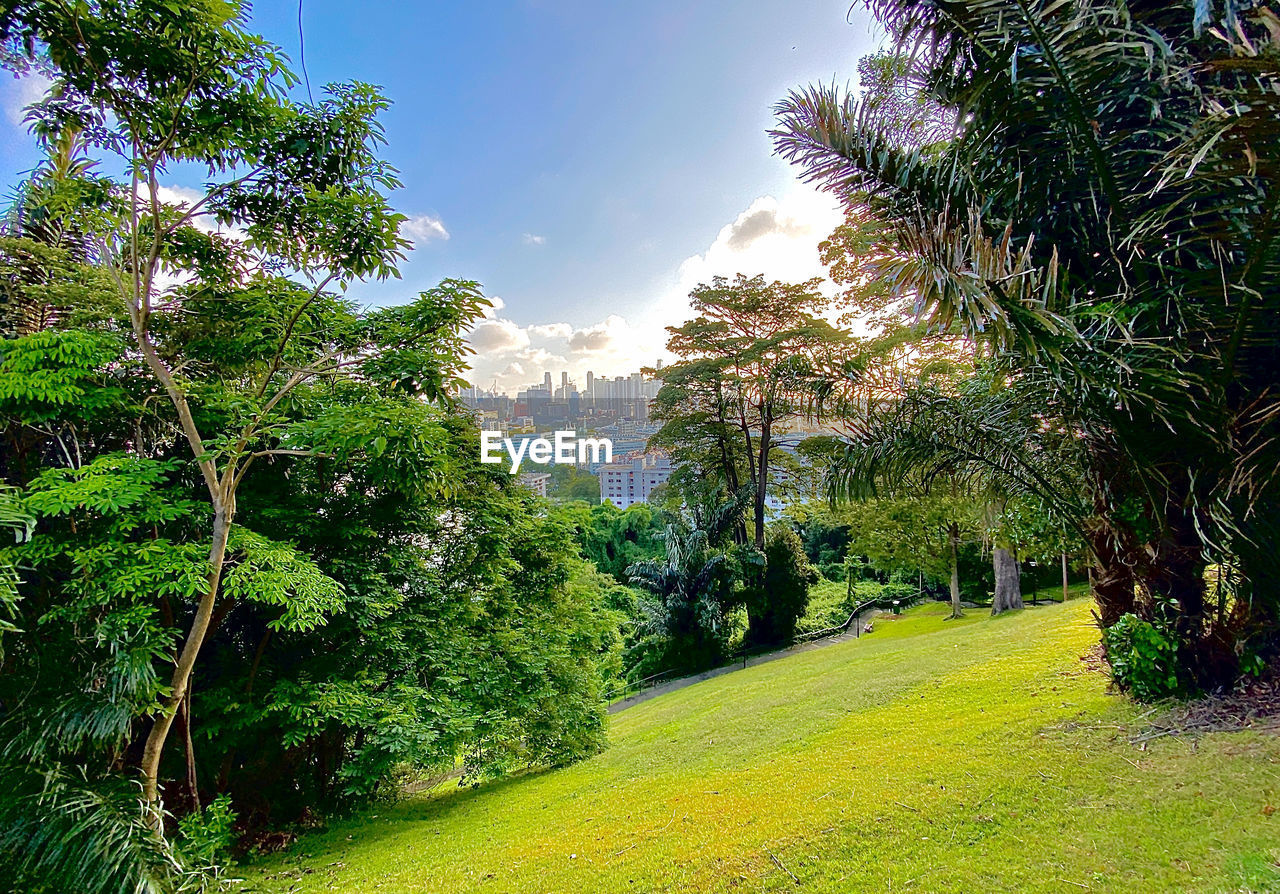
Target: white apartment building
626,483
535,481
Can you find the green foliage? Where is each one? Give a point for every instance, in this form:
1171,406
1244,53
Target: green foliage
908,535
61,832
1143,658
262,570
205,837
615,539
259,518
43,374
831,603
779,596
833,571
682,623
570,484
758,354
14,518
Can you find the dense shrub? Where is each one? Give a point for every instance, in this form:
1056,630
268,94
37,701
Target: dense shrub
779,596
1143,658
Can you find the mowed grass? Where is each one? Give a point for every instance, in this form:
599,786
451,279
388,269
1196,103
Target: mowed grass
970,756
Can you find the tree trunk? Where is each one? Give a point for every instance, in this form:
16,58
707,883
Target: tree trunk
762,484
953,536
1065,581
1008,582
154,748
193,784
1113,580
1177,576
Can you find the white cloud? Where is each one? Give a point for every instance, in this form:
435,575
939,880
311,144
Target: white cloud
498,336
179,196
539,359
600,338
424,228
22,92
184,198
531,239
776,237
760,220
552,330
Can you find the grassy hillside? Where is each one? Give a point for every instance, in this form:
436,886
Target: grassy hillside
933,755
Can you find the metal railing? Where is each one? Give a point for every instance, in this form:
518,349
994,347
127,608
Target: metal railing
635,687
838,628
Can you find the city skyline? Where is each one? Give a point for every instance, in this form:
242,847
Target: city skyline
588,386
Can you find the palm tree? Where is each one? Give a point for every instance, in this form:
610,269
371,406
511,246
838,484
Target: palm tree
13,518
1103,212
39,233
685,614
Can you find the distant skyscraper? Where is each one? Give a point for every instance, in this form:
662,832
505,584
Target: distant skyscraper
564,383
546,381
591,384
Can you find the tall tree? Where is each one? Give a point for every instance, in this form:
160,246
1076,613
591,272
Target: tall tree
782,594
1102,213
231,322
905,527
754,357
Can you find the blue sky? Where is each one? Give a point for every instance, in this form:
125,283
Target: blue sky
589,162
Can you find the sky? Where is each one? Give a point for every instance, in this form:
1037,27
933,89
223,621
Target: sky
587,163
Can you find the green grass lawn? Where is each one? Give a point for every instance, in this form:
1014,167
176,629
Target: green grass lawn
970,756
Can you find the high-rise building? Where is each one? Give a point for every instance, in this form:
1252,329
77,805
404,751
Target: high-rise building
546,381
626,483
591,384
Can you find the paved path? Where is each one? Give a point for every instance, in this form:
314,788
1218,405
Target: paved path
682,682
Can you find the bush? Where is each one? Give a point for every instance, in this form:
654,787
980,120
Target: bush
205,836
884,594
1143,658
833,571
779,597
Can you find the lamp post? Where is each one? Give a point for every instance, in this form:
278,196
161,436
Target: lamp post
1035,591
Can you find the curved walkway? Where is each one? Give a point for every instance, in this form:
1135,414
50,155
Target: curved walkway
672,685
